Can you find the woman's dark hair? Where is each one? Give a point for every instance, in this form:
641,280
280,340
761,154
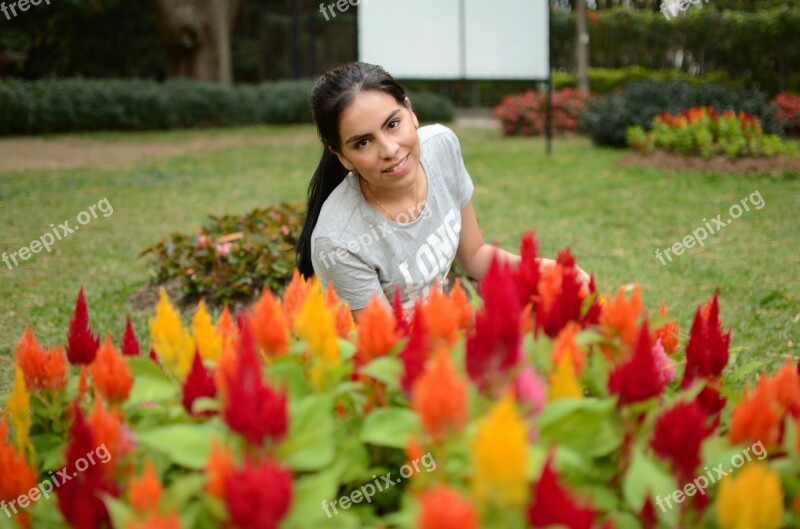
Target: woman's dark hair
333,92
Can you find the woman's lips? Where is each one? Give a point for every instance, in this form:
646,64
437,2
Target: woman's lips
398,168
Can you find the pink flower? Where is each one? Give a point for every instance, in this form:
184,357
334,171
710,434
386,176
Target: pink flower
285,230
664,364
202,241
189,271
223,249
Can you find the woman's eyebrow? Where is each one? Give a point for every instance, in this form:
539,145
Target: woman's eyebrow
385,121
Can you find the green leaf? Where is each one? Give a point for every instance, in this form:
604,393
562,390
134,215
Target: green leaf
150,383
309,494
288,372
386,369
310,444
187,445
119,511
646,479
390,427
588,426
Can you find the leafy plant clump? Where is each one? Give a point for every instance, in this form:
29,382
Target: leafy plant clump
703,131
525,114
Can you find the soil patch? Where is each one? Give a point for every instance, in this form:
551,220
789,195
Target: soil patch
721,164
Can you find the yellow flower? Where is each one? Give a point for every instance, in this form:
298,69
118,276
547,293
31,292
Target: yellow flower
19,409
205,333
563,383
499,453
171,341
315,324
751,498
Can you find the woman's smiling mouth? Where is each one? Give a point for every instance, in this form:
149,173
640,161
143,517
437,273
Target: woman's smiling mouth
398,168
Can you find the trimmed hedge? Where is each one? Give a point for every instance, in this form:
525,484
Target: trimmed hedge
74,105
608,119
605,80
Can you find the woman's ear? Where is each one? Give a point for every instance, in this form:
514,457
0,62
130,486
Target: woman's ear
413,115
342,159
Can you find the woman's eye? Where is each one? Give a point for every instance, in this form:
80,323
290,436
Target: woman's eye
394,124
361,144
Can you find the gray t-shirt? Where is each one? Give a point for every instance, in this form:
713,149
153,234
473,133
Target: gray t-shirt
364,253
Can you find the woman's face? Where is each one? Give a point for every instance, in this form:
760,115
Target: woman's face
379,140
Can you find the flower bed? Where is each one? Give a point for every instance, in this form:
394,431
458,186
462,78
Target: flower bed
525,114
703,131
542,403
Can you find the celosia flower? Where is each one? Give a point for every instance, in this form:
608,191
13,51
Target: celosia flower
19,409
219,464
494,346
531,392
258,495
110,373
785,386
144,492
294,296
376,333
619,318
461,306
226,330
108,429
707,349
414,354
343,316
443,508
173,344
18,477
757,417
639,378
439,397
665,366
667,333
80,498
207,339
199,383
442,318
563,382
269,325
753,497
499,453
251,407
529,271
42,370
82,345
130,345
562,297
403,327
552,504
314,324
566,345
677,437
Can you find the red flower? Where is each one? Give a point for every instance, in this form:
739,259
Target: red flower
678,434
130,345
82,345
443,508
566,304
199,383
528,272
552,504
252,408
640,377
495,343
258,495
415,352
80,498
402,327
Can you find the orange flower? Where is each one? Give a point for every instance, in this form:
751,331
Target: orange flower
226,365
443,508
342,317
565,345
226,329
41,370
461,303
269,325
667,333
112,378
442,318
107,431
376,333
550,284
17,477
294,296
439,396
219,464
414,450
785,388
620,316
756,418
144,492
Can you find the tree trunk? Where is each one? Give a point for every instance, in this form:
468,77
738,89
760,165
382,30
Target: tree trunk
197,36
582,47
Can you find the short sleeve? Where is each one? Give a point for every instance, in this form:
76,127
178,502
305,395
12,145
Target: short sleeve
465,185
353,280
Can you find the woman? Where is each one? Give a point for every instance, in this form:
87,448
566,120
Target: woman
390,203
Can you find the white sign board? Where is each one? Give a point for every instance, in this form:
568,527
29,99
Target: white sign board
456,39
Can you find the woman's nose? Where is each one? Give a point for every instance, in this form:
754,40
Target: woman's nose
389,148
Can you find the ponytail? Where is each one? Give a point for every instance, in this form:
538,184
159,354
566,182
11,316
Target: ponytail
329,174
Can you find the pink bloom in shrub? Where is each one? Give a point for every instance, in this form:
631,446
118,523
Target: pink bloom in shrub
202,241
224,249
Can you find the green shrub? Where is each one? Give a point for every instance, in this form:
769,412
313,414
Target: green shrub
608,119
74,105
603,81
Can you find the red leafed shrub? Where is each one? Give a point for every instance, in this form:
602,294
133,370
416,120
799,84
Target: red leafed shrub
525,114
788,114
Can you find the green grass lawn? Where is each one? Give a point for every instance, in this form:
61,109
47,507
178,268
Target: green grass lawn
613,219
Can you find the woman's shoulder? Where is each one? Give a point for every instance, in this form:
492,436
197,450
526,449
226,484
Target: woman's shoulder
436,132
338,211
